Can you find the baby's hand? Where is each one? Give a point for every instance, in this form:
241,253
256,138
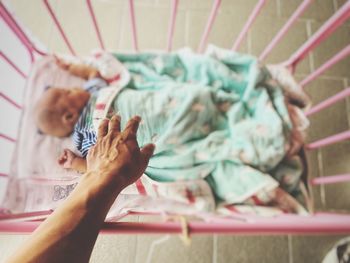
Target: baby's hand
66,159
61,63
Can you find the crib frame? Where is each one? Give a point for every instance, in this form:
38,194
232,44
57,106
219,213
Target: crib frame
316,223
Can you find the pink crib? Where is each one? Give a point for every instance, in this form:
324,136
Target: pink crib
317,222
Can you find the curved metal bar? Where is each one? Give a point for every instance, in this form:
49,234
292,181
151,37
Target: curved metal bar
16,29
292,224
172,24
298,12
13,65
325,31
94,21
211,19
7,138
329,102
335,59
329,140
59,27
339,178
133,25
248,24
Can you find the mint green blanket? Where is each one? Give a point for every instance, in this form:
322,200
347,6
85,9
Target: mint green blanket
218,117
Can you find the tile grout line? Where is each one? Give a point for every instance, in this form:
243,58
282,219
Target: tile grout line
187,27
322,187
136,241
135,246
322,77
290,249
335,5
278,5
311,55
249,40
215,248
347,101
49,40
122,26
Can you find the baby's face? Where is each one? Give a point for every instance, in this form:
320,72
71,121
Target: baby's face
59,109
67,99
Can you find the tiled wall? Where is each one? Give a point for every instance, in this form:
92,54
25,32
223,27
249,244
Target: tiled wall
152,23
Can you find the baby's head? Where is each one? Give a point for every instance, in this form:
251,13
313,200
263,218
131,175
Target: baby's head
58,110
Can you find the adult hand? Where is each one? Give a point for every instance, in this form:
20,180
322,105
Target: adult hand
116,156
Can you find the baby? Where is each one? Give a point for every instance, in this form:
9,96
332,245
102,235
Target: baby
220,119
59,110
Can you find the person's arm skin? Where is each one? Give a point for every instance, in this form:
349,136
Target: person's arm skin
80,70
69,234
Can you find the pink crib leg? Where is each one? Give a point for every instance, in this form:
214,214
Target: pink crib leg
12,24
7,137
209,25
248,24
331,179
298,12
12,102
133,24
17,69
329,102
293,224
335,59
94,21
329,140
172,24
59,27
326,30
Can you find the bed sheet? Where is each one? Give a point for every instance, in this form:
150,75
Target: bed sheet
37,182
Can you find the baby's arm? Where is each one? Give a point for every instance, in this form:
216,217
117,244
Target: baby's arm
80,70
70,160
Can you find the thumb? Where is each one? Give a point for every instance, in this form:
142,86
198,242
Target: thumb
147,152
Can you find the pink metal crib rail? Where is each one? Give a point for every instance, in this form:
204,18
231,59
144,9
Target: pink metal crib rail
237,224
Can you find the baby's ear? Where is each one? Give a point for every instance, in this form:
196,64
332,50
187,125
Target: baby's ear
70,117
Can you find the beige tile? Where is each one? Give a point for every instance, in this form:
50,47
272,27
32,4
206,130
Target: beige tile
331,120
317,10
251,249
109,18
329,47
336,161
312,249
114,248
229,22
314,171
152,28
245,8
173,250
264,31
193,4
25,11
77,24
224,32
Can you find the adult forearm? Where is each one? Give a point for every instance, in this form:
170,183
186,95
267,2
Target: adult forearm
69,234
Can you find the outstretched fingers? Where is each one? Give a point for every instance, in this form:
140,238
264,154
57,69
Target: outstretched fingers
102,129
131,128
147,152
114,125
